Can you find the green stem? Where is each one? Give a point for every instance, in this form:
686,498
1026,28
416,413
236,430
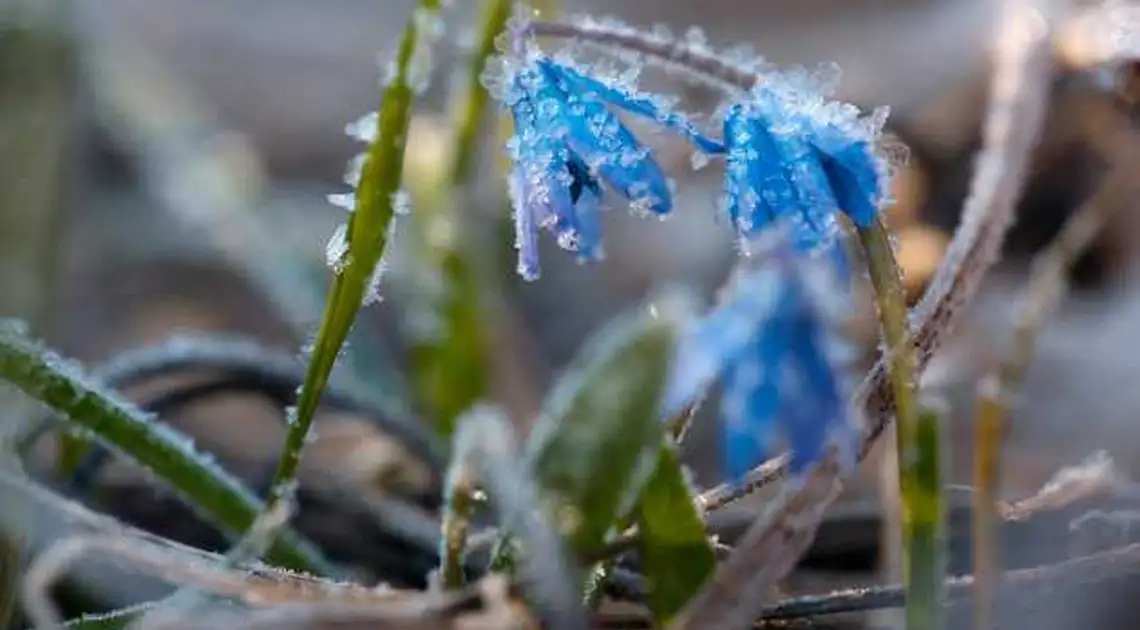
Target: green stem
474,104
927,505
164,453
367,236
451,365
456,525
918,441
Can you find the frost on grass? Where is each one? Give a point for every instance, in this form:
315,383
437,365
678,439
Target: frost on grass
165,455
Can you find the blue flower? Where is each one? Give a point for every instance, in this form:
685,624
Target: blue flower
774,344
567,144
790,153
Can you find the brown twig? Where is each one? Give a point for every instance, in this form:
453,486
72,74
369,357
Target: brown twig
1018,589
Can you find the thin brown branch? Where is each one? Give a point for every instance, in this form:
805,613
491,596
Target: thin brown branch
1018,589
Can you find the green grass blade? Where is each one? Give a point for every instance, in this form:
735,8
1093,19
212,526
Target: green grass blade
674,545
163,452
367,238
450,364
473,106
601,431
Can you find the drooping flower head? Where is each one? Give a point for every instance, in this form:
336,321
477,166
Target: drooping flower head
775,346
569,147
790,152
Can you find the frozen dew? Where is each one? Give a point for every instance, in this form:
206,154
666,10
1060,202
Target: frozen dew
430,28
389,70
372,293
355,170
344,201
363,128
401,202
336,252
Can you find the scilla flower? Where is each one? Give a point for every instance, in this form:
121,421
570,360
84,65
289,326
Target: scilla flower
774,344
568,147
792,153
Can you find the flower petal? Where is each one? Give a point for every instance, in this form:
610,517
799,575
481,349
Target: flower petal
756,189
854,173
721,337
612,151
630,99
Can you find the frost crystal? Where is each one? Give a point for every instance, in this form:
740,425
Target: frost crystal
344,201
773,344
401,202
430,28
336,252
364,128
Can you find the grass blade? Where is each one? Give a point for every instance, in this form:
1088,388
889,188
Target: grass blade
451,366
163,452
367,238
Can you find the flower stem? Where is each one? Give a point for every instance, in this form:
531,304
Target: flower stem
918,441
456,524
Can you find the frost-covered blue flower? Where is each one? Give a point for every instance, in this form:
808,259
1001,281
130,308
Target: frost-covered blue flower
568,146
774,344
790,152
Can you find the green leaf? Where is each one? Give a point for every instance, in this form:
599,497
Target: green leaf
601,432
163,452
449,365
367,238
672,535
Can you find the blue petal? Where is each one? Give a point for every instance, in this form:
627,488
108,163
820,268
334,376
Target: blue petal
721,337
750,402
853,171
586,229
812,404
612,151
633,102
550,186
526,225
814,205
757,189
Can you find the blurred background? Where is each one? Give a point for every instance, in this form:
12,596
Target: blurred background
161,160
